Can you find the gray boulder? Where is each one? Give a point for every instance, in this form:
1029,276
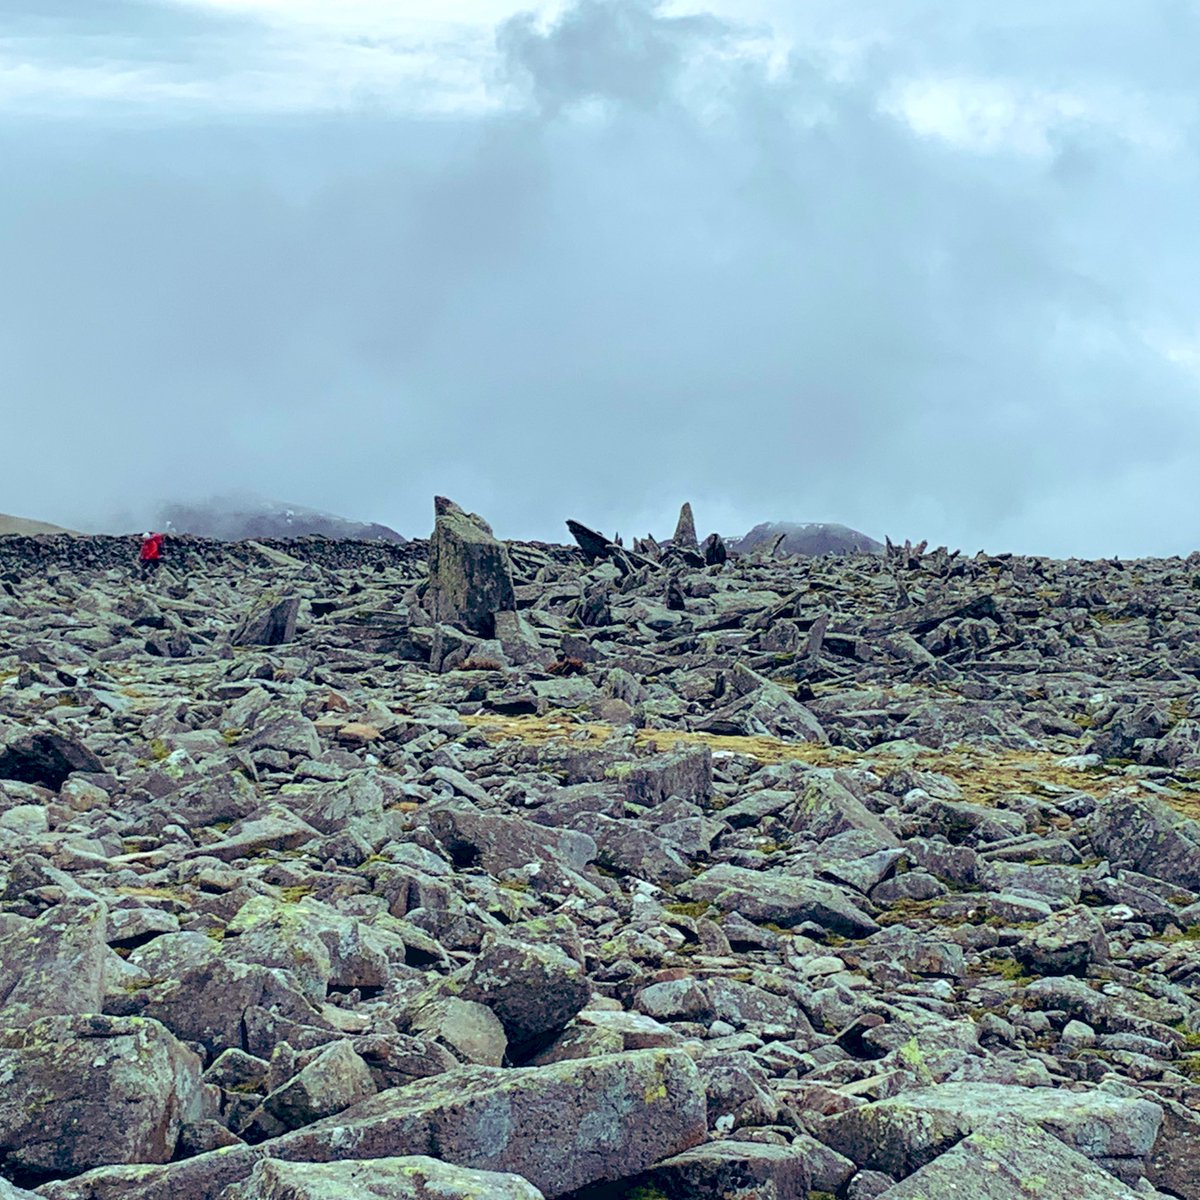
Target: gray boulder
86,1091
271,622
785,900
1011,1160
1143,834
470,577
412,1178
561,1127
731,1171
909,1131
54,965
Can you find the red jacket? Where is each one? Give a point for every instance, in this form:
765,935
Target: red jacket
152,548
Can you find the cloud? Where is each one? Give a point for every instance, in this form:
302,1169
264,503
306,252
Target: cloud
930,277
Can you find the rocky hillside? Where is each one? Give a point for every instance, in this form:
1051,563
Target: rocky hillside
21,527
473,869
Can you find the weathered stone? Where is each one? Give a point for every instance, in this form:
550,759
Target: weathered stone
779,899
731,1171
46,759
412,1178
1144,834
86,1091
54,965
907,1132
271,622
1010,1160
560,1127
470,577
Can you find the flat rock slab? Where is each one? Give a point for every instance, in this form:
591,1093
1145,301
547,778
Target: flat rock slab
413,1178
779,899
1010,1160
561,1127
909,1131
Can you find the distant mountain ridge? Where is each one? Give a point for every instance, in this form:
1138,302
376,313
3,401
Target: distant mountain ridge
235,518
21,527
808,539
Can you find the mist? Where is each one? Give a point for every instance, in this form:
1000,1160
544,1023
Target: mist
928,276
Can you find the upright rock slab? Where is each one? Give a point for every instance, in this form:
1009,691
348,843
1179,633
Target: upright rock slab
470,577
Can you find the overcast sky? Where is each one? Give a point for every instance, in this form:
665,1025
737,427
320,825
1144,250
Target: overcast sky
927,267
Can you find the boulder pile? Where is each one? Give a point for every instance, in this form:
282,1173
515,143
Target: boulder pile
498,870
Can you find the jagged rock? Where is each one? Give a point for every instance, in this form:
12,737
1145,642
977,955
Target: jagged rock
85,1091
905,1133
534,990
1066,943
470,576
336,1079
650,1105
779,899
271,622
411,1178
685,530
731,1171
46,759
1009,1160
1143,834
54,965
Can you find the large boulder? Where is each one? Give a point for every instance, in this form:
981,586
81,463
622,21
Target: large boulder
907,1132
270,622
412,1178
535,990
470,577
1011,1160
46,759
54,965
1143,834
730,1171
561,1127
85,1091
779,899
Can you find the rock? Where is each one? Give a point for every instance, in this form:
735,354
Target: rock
411,1178
470,576
778,899
1010,1160
46,759
905,1133
685,530
336,1079
1143,834
471,1031
271,622
54,965
1066,943
615,1116
534,990
730,1171
685,775
85,1091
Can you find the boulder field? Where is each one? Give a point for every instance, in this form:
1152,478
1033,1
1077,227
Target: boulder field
497,870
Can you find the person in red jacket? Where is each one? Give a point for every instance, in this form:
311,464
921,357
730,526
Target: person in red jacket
151,555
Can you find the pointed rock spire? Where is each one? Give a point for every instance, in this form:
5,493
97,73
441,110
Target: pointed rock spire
685,531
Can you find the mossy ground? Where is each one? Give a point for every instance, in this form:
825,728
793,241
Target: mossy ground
984,775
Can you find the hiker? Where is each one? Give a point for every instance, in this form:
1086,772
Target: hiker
151,555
